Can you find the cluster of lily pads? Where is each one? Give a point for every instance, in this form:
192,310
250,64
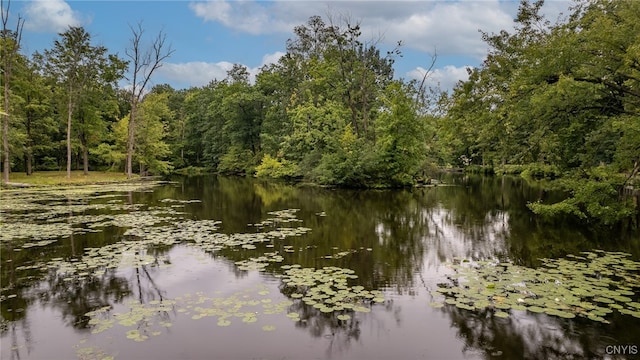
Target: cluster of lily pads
144,231
149,319
591,286
261,262
279,217
327,289
38,217
43,217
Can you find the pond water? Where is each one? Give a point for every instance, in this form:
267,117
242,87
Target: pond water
236,268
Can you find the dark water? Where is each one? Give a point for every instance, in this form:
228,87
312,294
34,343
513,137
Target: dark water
398,241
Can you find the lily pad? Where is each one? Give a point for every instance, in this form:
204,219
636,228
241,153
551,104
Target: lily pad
574,286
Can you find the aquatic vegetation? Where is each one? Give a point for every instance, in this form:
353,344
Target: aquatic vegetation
45,217
279,217
149,319
92,353
259,263
180,201
591,286
10,231
327,289
340,254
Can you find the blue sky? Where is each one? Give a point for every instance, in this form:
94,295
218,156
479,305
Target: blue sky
210,36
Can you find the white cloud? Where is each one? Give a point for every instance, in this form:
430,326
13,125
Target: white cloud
444,78
555,11
50,16
198,73
271,58
451,27
246,16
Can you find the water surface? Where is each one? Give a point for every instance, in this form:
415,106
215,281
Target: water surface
175,286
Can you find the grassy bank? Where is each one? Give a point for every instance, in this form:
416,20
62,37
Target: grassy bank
45,178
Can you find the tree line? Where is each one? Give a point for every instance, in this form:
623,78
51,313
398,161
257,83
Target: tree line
550,99
557,100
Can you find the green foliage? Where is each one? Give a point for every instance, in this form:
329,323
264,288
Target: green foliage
108,154
595,200
400,132
549,100
479,169
352,163
563,209
79,69
540,171
192,171
151,149
48,163
555,99
237,161
563,95
277,169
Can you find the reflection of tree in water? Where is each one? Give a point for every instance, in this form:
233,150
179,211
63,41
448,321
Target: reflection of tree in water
16,324
536,336
77,296
340,333
147,289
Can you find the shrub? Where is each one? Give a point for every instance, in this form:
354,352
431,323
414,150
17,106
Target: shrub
540,171
591,200
237,162
277,169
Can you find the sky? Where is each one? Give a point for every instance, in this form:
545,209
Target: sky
208,37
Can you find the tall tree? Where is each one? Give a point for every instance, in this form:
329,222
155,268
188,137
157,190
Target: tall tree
37,123
154,116
98,103
10,47
144,63
75,64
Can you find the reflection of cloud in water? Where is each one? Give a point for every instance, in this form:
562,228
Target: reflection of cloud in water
522,336
447,238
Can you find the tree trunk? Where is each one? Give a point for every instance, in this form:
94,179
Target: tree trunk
9,50
70,113
29,162
182,144
131,138
5,142
85,159
5,130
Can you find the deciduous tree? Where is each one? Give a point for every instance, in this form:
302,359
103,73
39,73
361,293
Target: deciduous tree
10,48
143,64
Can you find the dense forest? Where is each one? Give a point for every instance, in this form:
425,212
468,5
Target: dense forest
550,100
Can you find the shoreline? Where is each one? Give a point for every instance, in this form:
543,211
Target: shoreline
42,183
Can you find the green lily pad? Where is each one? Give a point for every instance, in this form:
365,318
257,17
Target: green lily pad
576,285
535,309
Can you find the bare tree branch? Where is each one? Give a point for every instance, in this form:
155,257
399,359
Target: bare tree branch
144,64
425,76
